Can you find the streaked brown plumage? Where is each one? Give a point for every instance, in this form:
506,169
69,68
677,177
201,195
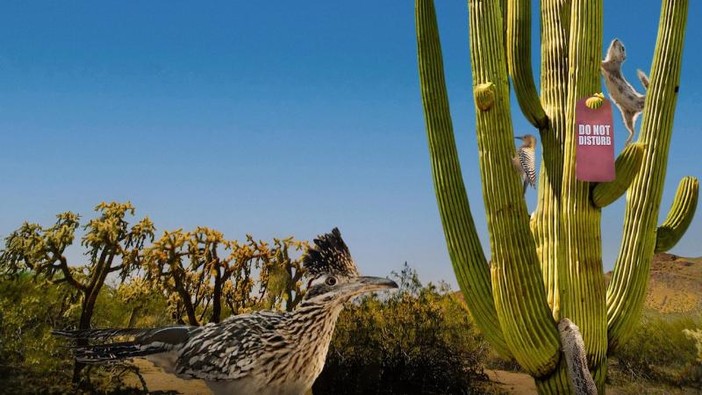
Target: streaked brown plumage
260,353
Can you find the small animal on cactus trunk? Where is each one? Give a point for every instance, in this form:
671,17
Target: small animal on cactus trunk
628,100
573,348
525,160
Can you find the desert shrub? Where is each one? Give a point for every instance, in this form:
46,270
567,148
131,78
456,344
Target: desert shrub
660,351
417,340
692,374
696,336
31,359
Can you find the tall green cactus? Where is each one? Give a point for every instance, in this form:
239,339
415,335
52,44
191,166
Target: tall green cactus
548,265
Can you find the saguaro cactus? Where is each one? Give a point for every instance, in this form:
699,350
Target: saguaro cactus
548,265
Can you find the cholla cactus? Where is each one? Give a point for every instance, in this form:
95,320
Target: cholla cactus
548,266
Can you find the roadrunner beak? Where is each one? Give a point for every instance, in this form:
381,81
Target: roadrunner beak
370,284
519,137
361,285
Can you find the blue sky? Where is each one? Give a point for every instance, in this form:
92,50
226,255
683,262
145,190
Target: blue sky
271,118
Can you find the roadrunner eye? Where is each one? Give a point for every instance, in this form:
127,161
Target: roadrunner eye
330,281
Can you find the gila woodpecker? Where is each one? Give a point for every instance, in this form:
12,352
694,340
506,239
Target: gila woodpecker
525,160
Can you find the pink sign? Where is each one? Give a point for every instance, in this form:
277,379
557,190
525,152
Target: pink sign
594,136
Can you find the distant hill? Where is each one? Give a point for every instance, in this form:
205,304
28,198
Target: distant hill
675,285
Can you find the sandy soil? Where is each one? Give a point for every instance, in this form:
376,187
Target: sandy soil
512,383
156,380
522,384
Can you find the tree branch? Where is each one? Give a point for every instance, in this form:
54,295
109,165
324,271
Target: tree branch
63,265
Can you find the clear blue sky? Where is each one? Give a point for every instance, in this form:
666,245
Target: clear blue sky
272,118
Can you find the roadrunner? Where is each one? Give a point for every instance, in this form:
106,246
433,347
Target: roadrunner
261,353
525,160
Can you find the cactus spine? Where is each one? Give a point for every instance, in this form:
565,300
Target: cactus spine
548,266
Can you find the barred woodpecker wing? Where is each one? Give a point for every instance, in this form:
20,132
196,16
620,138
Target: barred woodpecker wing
329,255
528,164
229,350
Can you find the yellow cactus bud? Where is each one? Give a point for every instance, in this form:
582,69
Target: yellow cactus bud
595,101
485,96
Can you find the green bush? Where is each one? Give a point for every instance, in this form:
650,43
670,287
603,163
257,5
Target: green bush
31,359
417,340
660,351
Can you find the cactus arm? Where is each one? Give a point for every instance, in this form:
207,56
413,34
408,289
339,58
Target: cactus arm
546,224
518,290
627,166
519,61
627,289
464,247
680,215
555,33
504,7
583,299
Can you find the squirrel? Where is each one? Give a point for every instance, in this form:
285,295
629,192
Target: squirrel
628,100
